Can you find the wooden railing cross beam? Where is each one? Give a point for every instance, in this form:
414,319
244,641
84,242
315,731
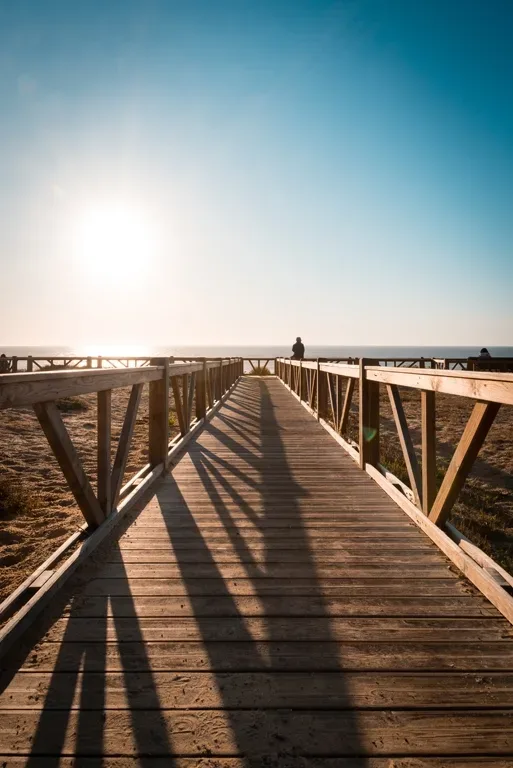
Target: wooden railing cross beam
474,435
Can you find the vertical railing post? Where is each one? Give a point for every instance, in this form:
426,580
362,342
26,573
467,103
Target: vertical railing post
290,374
428,425
159,415
30,364
89,362
104,451
300,393
14,364
322,392
201,391
99,362
369,417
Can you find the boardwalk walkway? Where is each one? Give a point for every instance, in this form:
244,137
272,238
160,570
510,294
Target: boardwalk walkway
269,606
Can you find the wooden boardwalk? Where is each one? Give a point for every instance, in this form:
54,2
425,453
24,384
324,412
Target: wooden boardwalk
270,606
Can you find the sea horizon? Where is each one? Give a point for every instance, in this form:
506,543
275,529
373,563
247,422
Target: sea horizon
254,350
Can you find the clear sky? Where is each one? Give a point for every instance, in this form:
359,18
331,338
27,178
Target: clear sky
243,171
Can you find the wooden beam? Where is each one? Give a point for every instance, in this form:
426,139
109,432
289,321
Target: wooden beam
64,451
104,451
322,393
190,398
48,386
428,419
410,457
158,435
346,408
478,385
178,404
478,426
125,438
201,393
369,418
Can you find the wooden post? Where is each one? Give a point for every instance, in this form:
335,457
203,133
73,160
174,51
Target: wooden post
159,415
322,393
201,391
428,417
185,400
30,364
300,383
14,364
89,362
369,417
104,451
99,362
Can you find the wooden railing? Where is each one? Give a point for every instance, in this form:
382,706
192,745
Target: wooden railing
31,363
196,388
328,390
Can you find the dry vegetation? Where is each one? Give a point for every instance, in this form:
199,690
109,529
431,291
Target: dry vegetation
37,511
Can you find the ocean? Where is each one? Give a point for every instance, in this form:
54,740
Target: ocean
260,351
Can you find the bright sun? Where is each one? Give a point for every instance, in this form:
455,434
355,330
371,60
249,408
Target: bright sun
113,239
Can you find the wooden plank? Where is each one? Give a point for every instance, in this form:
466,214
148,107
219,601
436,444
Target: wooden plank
451,605
368,418
428,428
241,762
279,629
478,426
64,451
125,439
104,451
231,733
410,457
256,656
263,690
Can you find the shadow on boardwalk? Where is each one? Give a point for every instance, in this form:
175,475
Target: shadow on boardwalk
74,720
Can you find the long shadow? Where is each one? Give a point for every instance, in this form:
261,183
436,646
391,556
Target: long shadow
75,713
225,482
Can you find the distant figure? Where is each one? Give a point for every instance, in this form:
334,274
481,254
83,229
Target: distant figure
4,364
298,350
484,354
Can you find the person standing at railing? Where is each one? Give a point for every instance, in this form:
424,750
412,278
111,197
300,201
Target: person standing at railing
4,364
298,350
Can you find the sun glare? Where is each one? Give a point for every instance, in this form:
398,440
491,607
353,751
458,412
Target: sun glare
113,240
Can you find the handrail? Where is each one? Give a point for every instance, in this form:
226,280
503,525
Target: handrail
197,388
318,384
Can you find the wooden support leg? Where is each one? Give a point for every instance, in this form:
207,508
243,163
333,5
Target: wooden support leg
64,451
104,451
369,417
159,416
125,439
428,416
410,457
473,437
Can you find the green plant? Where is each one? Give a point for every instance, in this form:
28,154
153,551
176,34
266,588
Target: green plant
172,419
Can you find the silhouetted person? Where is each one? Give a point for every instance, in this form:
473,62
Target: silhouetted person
484,354
4,364
298,350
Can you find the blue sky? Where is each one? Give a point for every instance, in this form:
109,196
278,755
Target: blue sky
341,170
